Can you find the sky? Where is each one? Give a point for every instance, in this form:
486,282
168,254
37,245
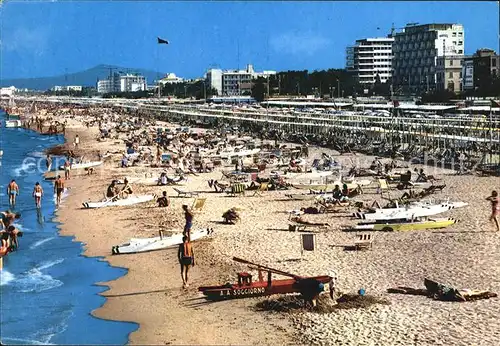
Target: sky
53,37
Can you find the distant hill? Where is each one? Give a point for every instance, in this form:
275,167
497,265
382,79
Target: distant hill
85,78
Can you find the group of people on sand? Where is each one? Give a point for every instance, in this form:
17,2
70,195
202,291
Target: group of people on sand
114,192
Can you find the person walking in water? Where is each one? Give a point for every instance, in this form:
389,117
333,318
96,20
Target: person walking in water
186,259
48,162
58,190
12,192
37,194
188,215
495,208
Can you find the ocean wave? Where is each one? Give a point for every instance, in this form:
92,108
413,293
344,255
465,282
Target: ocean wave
18,341
38,154
26,166
40,242
48,264
6,277
36,281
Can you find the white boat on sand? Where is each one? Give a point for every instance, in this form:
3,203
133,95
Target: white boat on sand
157,243
84,165
410,212
131,200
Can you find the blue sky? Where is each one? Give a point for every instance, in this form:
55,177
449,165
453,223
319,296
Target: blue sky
45,38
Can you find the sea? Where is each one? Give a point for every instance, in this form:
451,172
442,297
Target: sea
47,286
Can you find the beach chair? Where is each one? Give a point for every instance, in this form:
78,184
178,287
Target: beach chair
364,242
237,188
263,187
383,186
198,204
181,193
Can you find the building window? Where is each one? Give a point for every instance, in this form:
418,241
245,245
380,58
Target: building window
460,43
450,75
494,62
460,51
451,62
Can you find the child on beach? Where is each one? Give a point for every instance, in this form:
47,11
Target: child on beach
495,208
186,259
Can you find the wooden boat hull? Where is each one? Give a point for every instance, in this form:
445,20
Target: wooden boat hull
257,288
406,226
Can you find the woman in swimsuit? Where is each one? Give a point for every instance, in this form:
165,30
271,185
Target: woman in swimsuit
37,194
495,208
188,215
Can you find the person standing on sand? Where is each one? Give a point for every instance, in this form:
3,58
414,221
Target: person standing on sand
77,141
58,189
37,194
186,259
67,168
495,208
12,192
188,215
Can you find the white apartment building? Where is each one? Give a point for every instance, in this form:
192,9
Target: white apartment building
121,83
234,82
132,83
416,51
370,57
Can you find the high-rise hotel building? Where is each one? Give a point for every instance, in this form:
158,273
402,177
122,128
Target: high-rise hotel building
417,51
370,57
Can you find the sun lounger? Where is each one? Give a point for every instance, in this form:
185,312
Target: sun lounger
181,193
364,242
198,204
237,188
263,187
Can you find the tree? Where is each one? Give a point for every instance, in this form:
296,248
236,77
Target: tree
259,89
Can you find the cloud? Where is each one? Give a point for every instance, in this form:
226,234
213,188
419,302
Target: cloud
27,41
299,43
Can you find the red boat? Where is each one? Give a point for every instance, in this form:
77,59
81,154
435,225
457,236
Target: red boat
309,287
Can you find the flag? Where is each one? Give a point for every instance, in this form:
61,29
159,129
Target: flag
395,103
160,41
495,104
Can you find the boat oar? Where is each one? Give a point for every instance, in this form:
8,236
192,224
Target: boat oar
276,271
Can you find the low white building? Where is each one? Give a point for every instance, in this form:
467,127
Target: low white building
9,91
234,82
67,88
171,78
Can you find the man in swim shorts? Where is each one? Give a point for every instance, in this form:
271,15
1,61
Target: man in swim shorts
186,259
58,189
12,192
37,194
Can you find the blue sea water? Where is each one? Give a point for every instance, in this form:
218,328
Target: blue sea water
47,289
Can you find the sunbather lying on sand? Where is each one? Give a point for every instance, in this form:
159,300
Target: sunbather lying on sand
300,220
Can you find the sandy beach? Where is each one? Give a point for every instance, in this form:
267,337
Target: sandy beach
465,255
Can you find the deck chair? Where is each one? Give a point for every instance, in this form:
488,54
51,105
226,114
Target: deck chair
263,187
237,188
364,242
181,193
383,186
198,204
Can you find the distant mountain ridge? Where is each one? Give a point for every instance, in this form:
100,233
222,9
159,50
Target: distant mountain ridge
84,78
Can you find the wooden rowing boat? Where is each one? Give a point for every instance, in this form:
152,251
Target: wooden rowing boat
406,225
131,200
